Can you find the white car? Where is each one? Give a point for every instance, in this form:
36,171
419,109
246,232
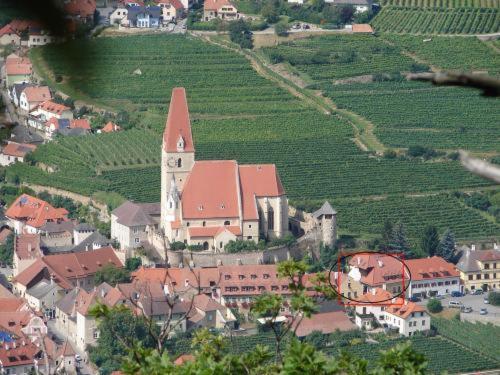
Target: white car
486,301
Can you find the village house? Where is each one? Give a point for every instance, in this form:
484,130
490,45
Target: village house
39,37
480,269
49,109
17,70
17,32
324,322
144,17
28,214
110,127
378,307
15,152
65,314
9,36
368,271
33,96
118,16
80,10
129,223
27,249
222,9
56,235
43,296
68,270
431,277
16,91
171,10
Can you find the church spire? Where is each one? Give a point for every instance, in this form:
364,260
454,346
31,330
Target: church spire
177,133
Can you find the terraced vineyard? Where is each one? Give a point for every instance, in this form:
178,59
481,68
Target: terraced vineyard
236,114
338,56
477,336
444,3
460,118
442,355
417,20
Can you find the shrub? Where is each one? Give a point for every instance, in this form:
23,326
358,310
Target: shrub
434,305
281,28
494,298
390,154
177,245
239,246
416,67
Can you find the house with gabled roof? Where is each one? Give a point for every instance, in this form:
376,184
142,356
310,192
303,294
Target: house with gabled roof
33,96
110,127
480,269
27,214
144,16
49,109
16,91
27,249
171,10
17,69
222,9
14,152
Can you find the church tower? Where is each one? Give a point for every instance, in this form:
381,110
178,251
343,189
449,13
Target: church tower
177,154
326,220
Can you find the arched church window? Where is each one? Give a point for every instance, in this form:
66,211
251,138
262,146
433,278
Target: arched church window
179,163
227,222
204,223
205,245
270,219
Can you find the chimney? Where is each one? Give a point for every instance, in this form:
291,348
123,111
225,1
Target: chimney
380,263
359,261
87,247
103,293
473,247
186,282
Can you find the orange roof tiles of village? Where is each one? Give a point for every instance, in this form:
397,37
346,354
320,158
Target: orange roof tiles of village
81,123
361,28
37,93
379,268
82,8
53,107
27,246
111,127
216,4
175,3
67,266
327,322
213,231
15,65
22,353
433,267
18,149
178,123
34,211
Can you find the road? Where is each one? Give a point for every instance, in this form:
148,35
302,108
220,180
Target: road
60,337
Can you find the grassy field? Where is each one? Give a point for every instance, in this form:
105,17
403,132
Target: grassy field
419,20
236,114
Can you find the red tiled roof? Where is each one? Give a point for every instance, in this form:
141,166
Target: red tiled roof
10,304
18,149
258,181
183,359
35,212
404,310
15,321
488,255
213,231
216,4
27,246
324,322
81,123
37,94
428,268
56,108
195,277
7,29
24,353
175,3
5,293
82,8
110,127
377,295
217,199
178,123
380,268
18,66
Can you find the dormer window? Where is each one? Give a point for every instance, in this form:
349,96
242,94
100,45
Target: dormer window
180,144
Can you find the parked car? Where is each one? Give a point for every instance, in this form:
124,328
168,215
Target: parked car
455,304
306,27
486,301
483,311
466,309
457,294
477,292
296,26
415,299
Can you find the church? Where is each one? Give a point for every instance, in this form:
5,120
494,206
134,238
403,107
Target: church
203,202
211,202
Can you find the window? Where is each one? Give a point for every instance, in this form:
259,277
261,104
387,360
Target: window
494,265
494,275
478,276
241,277
227,277
266,276
249,225
227,222
440,283
423,322
204,223
136,240
486,266
471,277
179,163
96,334
220,245
487,276
454,282
249,237
270,219
446,283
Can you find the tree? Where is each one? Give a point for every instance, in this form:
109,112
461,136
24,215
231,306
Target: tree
239,32
7,250
281,28
112,275
446,248
346,12
399,242
316,339
434,305
387,234
131,264
117,333
430,240
317,5
270,11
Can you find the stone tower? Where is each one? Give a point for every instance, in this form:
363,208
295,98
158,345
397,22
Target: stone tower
177,153
326,221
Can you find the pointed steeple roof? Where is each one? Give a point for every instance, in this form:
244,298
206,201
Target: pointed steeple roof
326,209
178,123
